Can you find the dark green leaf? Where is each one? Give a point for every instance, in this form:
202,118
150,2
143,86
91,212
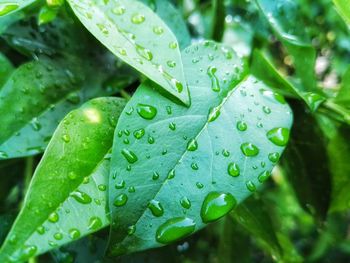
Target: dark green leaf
306,164
134,33
286,22
254,217
168,159
343,96
67,195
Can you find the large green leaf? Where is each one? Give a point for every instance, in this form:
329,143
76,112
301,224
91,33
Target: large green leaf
306,164
263,69
343,8
66,198
284,18
134,33
6,69
174,168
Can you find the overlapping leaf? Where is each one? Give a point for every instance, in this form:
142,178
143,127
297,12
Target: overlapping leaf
175,169
67,196
134,33
9,7
6,69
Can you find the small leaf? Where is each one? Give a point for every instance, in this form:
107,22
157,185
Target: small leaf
173,167
283,17
307,153
66,197
6,68
343,8
134,33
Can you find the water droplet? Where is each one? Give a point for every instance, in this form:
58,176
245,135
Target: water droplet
250,186
194,166
119,10
274,157
66,138
131,230
192,145
215,84
35,124
171,174
199,185
138,134
138,18
216,205
6,8
81,197
145,111
233,169
171,63
58,236
241,126
102,187
173,45
266,109
175,229
129,156
28,252
249,149
150,140
279,136
103,28
120,200
225,153
264,176
144,52
74,233
185,202
53,217
158,30
40,230
95,223
156,208
120,185
172,126
169,110
214,113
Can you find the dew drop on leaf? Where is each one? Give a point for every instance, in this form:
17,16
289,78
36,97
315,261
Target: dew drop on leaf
264,176
192,145
120,200
274,157
185,202
95,223
74,233
81,197
278,136
53,217
175,229
216,205
145,111
129,156
250,186
156,208
138,19
215,84
241,126
233,169
249,149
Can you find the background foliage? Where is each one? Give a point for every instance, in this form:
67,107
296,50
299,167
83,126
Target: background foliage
70,167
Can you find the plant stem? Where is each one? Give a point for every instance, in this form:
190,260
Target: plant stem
125,95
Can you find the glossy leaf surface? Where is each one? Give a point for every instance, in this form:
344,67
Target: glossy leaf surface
168,180
134,33
67,195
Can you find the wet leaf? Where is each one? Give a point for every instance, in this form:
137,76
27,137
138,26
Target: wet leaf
9,7
284,18
134,33
66,198
173,168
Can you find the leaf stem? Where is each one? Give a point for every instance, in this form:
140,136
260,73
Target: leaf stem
125,95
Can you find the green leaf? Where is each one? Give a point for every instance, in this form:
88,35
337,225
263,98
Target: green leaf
168,159
134,33
37,97
9,7
253,215
6,68
343,8
66,198
47,14
173,18
284,18
263,69
343,96
306,164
